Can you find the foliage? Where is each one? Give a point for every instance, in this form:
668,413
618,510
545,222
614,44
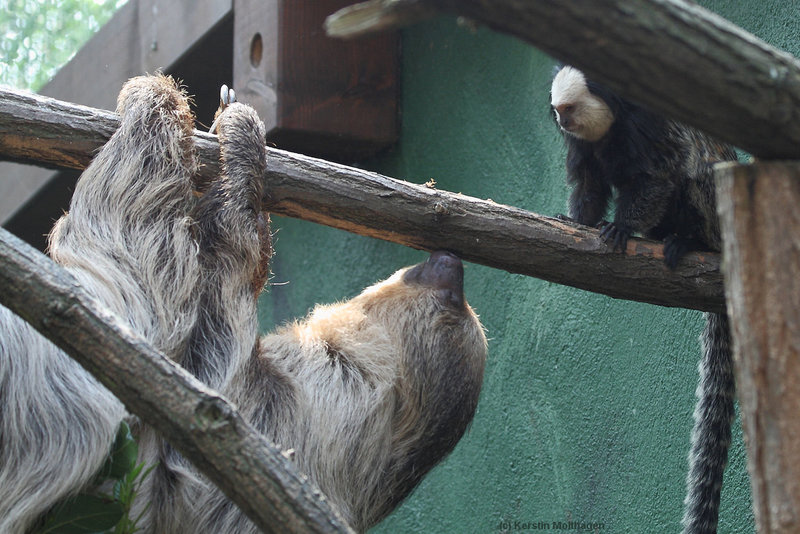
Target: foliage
95,511
37,37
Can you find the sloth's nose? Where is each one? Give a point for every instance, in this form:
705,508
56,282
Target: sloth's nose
445,272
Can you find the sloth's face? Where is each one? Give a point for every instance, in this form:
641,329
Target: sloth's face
423,291
423,309
419,314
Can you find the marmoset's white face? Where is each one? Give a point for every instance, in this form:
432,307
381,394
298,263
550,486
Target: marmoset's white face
578,112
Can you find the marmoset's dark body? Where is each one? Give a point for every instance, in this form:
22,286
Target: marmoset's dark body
659,171
660,175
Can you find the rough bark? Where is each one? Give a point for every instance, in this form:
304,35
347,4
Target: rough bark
485,232
49,132
197,421
671,55
760,223
38,129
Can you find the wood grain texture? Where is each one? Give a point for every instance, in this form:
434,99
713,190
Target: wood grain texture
761,225
52,133
485,232
377,206
197,421
316,95
670,55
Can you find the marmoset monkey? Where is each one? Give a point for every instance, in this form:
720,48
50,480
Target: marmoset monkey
660,175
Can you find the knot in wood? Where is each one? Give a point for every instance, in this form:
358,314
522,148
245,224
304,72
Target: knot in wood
59,308
212,413
440,208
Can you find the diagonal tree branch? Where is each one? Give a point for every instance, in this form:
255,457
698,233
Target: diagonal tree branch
671,55
197,421
33,128
485,232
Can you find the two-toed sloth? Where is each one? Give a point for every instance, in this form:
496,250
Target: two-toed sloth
370,393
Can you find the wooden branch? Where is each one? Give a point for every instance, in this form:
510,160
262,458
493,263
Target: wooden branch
197,421
33,128
760,221
484,232
671,55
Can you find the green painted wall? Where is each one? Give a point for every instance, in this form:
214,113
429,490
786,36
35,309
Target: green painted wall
586,407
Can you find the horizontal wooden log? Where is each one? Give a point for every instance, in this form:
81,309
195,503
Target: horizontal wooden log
34,128
671,55
197,421
50,132
488,233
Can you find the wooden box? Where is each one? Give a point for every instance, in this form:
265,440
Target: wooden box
318,96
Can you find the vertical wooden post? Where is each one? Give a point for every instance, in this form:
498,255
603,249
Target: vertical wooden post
759,208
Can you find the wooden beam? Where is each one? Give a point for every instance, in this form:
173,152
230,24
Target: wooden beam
168,29
33,128
761,225
197,421
670,55
316,95
142,36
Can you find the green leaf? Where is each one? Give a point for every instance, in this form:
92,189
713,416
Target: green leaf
118,490
83,514
123,454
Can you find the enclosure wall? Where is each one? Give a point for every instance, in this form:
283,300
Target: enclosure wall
587,404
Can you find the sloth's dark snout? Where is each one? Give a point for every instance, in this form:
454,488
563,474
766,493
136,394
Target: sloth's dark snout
442,271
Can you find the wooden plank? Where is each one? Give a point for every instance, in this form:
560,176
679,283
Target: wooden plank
169,28
18,185
94,75
761,225
255,56
317,95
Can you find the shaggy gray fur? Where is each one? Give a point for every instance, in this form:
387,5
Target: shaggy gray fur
369,394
